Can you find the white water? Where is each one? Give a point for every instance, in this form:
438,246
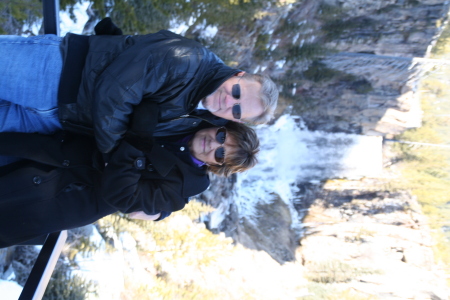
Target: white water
291,154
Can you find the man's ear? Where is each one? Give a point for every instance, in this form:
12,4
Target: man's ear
240,73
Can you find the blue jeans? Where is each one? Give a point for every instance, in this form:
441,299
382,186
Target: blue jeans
29,78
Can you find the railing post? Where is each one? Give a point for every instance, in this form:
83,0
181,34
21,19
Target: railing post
51,16
43,268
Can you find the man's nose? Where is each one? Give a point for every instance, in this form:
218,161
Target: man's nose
229,101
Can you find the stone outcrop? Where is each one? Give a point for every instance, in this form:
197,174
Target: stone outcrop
375,93
270,231
356,236
372,91
380,240
343,66
398,28
389,105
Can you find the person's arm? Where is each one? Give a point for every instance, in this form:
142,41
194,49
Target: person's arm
134,75
124,187
143,120
140,215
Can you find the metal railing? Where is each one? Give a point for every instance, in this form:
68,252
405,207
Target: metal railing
43,268
51,16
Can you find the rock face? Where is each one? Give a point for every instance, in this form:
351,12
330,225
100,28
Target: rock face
381,102
381,241
372,90
270,232
356,237
343,66
353,67
398,28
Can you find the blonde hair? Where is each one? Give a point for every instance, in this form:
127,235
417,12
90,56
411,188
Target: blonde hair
269,97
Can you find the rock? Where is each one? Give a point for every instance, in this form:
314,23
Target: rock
6,257
270,231
380,239
9,274
383,36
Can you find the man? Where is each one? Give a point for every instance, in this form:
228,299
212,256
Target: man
96,83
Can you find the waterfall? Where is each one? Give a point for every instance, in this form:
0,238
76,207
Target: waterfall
291,154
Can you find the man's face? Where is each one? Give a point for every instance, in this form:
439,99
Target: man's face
221,102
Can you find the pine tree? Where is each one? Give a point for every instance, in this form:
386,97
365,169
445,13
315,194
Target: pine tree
67,286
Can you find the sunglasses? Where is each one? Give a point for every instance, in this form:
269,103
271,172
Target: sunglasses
221,136
236,93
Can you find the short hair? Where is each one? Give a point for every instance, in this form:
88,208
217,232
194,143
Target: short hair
243,157
269,97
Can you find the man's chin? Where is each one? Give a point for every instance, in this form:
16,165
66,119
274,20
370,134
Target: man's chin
211,110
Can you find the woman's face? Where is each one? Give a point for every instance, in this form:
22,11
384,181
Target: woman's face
204,145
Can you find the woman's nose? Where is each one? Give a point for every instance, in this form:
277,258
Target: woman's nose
215,144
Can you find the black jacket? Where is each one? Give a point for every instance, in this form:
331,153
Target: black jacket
63,183
104,77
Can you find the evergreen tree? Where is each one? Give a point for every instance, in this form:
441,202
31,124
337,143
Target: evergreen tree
15,14
65,285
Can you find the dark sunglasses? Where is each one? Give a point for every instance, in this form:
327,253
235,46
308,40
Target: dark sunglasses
221,136
236,93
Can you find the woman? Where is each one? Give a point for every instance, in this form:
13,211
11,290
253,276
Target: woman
66,183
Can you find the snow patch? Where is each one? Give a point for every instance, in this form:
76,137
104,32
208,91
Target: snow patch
77,25
10,290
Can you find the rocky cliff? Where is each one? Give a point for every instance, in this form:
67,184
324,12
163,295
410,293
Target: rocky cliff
365,239
353,67
357,238
345,66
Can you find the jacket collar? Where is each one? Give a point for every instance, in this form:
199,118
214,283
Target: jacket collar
195,179
162,160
